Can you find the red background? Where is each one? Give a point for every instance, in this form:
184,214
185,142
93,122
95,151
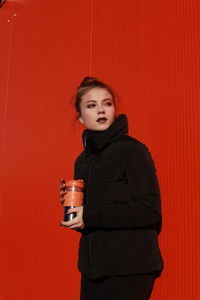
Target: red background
149,51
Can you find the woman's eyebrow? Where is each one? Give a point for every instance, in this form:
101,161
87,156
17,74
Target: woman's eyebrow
96,100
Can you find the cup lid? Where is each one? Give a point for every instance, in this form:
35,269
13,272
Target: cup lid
78,183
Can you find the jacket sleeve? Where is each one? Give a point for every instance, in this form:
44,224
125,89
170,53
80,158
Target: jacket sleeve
144,210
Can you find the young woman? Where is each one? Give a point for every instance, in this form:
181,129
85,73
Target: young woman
119,255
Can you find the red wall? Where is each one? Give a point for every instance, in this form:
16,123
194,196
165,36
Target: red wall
149,51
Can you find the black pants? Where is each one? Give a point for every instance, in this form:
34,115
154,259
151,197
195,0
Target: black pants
119,287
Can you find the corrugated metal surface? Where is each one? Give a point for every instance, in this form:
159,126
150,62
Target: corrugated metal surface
149,51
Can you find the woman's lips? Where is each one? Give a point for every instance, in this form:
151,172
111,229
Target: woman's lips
101,120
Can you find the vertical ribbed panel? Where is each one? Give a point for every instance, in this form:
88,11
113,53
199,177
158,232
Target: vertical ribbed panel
149,51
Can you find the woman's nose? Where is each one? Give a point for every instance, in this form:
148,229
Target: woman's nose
101,109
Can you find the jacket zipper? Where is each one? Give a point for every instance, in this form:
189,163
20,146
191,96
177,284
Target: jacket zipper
89,236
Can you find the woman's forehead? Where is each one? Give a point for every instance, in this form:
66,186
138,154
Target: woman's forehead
97,94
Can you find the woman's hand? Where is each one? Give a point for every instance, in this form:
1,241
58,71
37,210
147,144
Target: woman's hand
77,222
62,190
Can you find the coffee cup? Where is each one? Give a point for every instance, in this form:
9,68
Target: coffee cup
74,197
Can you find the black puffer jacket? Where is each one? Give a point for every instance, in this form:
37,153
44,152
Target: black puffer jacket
122,210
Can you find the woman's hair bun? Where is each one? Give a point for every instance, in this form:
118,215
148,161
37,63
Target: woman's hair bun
88,81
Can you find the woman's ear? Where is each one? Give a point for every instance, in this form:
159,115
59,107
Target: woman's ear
80,119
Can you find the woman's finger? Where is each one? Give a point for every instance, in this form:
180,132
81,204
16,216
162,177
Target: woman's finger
62,184
71,210
62,200
62,187
69,223
62,193
62,197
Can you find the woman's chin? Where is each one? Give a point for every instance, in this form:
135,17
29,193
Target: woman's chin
99,127
103,126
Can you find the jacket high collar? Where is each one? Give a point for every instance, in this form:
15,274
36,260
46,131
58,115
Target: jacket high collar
95,141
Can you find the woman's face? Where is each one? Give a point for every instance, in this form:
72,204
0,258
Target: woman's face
97,109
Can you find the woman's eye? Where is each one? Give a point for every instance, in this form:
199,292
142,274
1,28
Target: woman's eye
90,105
108,103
